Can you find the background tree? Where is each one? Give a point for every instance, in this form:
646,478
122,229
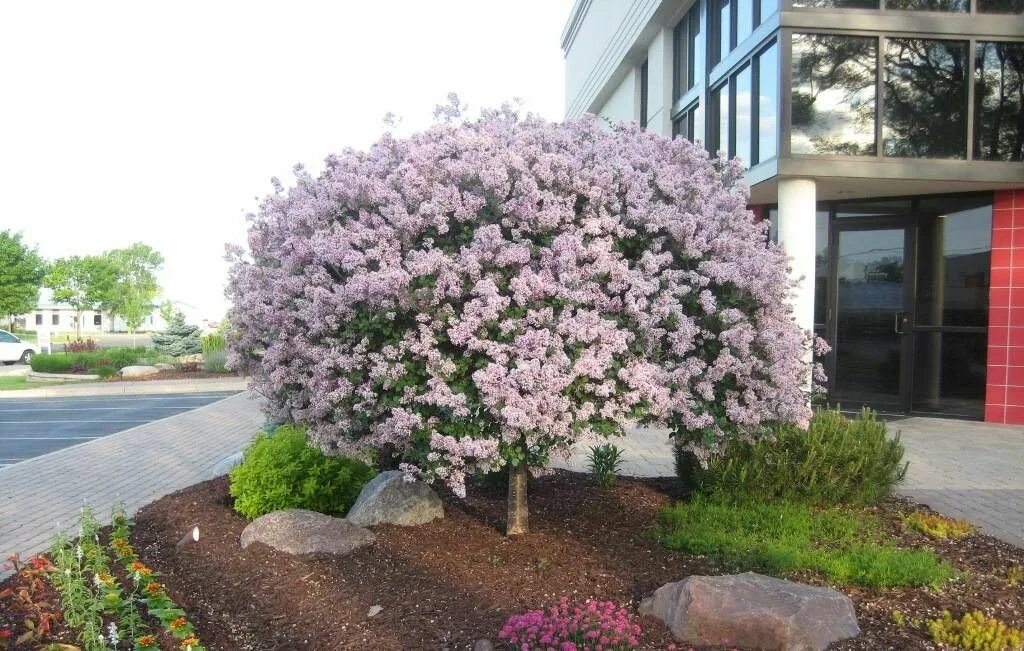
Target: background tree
134,287
21,275
83,282
483,295
179,338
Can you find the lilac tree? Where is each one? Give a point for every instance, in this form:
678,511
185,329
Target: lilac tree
486,293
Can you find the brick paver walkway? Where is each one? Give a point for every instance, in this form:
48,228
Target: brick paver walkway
135,466
962,469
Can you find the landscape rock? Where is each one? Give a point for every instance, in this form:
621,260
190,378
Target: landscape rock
164,366
194,358
374,610
139,371
225,465
390,499
297,531
752,611
483,645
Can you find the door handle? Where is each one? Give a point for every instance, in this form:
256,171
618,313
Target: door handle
899,320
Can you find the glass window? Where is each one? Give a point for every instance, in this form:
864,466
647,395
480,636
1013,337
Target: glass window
744,19
767,8
97,319
743,88
7,338
695,123
39,319
833,100
838,4
955,243
643,94
1001,6
723,30
925,98
875,208
998,95
720,120
55,319
767,103
688,52
929,5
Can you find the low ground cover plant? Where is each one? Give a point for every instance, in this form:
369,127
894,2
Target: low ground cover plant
282,471
573,627
89,361
975,631
29,597
837,460
938,526
844,545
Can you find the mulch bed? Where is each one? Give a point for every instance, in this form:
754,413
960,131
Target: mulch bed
448,583
173,375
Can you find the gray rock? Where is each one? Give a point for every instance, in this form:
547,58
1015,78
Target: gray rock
483,645
164,366
225,465
297,531
375,610
390,499
752,610
139,371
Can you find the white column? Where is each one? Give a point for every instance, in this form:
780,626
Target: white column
797,208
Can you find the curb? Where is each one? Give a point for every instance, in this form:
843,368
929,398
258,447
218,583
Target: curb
149,387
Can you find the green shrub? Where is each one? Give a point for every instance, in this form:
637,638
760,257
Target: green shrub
838,460
938,526
975,632
51,363
281,471
213,342
782,538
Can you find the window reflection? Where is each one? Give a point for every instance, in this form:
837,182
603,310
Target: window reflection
1001,6
768,7
688,51
925,98
955,241
744,19
744,131
720,121
929,5
767,104
838,4
723,29
689,124
833,94
998,105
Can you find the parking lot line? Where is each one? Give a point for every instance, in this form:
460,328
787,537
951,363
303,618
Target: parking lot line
85,408
30,422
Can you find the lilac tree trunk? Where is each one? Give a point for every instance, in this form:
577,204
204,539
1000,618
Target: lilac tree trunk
518,512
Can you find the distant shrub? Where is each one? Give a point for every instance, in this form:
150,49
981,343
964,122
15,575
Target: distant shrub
975,632
87,345
86,362
213,342
282,471
584,627
105,371
937,526
837,460
215,361
604,462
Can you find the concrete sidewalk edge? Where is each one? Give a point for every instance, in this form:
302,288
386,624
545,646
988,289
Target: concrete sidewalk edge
199,385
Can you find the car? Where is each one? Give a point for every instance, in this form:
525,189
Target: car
13,349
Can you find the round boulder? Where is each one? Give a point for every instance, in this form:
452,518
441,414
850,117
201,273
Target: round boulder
391,499
752,611
138,371
297,531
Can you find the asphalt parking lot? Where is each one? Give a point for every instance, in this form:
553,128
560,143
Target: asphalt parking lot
30,427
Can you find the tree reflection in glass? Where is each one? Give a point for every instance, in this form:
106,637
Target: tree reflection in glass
961,6
925,108
833,97
999,101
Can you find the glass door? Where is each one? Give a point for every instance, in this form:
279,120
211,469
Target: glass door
871,314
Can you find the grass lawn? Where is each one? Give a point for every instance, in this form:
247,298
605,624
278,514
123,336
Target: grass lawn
847,546
18,382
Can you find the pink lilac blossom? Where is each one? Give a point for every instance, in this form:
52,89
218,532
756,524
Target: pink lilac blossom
509,283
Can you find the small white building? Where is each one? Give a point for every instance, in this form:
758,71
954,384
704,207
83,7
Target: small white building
55,317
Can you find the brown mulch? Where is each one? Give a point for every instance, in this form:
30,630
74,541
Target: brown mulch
172,375
448,583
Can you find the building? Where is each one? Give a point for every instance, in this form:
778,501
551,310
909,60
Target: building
55,317
884,140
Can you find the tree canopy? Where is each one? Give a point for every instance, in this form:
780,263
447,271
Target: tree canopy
484,294
21,275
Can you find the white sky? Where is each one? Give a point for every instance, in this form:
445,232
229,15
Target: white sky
163,122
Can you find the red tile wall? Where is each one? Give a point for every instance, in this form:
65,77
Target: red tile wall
1004,393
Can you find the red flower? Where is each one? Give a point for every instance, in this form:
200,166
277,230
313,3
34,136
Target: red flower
5,633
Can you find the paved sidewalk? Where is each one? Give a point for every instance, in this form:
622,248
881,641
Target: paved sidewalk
142,387
136,466
962,469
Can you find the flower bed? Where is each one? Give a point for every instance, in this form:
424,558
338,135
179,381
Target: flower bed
448,583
